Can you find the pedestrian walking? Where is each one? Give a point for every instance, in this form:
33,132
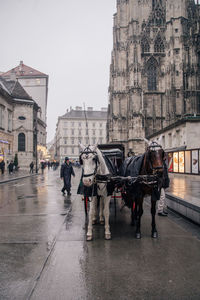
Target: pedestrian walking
65,174
11,167
42,166
2,166
162,206
31,167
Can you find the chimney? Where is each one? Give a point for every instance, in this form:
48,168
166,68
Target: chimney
13,75
90,108
20,65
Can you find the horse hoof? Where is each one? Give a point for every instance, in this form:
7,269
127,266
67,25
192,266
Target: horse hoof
138,235
89,238
154,235
108,236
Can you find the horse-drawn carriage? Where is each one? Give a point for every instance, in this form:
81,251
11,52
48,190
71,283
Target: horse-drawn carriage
105,169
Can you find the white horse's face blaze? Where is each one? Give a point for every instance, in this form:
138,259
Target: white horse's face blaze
89,165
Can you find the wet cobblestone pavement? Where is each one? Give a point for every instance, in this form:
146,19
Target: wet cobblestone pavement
44,255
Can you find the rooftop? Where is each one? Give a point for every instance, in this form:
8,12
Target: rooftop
23,71
90,114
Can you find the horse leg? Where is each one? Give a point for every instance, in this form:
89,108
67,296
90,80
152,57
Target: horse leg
139,213
154,233
94,218
101,218
133,213
89,236
106,217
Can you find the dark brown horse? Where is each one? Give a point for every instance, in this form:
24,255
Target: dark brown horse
150,163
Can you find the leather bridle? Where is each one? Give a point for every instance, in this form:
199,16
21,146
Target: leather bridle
88,151
149,150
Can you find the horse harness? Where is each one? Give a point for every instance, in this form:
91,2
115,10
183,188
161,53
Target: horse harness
88,151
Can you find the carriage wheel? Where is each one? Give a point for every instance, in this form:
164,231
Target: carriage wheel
86,205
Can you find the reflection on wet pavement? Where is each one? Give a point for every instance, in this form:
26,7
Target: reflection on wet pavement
185,188
44,254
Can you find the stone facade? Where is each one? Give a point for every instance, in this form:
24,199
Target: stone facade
6,121
155,68
72,129
18,133
35,84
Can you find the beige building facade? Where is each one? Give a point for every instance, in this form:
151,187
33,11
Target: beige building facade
18,120
6,123
35,84
155,69
79,126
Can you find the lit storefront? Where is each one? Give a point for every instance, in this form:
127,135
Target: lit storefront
5,149
184,161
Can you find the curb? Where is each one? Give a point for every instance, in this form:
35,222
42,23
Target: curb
17,178
184,208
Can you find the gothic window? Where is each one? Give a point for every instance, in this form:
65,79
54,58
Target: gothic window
21,142
158,16
159,45
152,75
145,46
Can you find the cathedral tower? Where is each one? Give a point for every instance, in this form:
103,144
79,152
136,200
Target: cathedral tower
154,72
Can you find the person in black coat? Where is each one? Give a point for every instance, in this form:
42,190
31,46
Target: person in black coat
2,166
65,173
11,167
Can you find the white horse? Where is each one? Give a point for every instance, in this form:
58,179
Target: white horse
94,164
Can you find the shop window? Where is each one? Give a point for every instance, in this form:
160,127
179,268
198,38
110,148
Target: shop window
195,162
181,162
175,162
21,142
187,162
170,162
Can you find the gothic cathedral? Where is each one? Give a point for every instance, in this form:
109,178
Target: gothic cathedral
155,68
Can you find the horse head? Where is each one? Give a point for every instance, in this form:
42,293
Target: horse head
155,157
89,160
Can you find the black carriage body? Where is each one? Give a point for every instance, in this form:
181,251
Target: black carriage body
114,156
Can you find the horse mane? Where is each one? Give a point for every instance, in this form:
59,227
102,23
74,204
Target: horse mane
102,166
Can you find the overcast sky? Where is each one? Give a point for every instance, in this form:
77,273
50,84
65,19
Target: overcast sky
70,40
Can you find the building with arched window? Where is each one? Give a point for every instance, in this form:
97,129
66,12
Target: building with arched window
155,69
24,123
21,142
